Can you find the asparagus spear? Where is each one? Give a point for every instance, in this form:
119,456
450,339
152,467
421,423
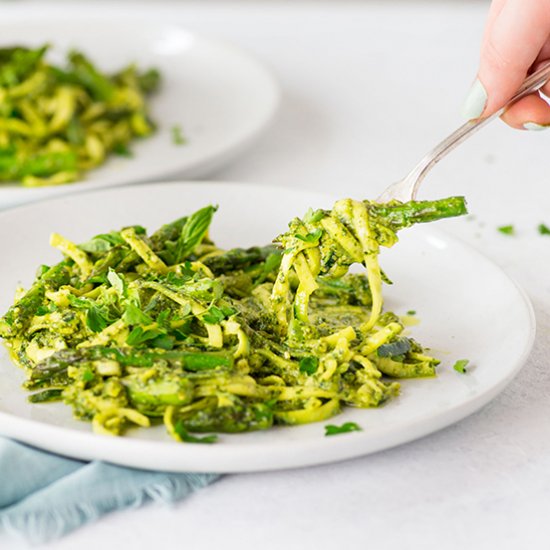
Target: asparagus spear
19,315
239,417
192,360
238,258
46,396
400,215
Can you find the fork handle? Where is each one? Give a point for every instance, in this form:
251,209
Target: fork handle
414,178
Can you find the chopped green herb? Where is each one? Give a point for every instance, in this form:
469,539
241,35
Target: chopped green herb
312,237
134,316
122,150
309,364
331,429
44,310
140,335
163,316
216,315
460,366
544,229
313,216
228,311
411,312
87,375
507,229
213,316
177,135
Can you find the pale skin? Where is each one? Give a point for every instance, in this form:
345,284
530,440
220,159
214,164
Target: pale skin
516,41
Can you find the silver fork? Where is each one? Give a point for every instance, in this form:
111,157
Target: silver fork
407,188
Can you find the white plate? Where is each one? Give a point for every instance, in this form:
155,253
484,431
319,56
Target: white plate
468,306
220,96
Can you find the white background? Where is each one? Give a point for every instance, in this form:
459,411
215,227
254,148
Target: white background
368,87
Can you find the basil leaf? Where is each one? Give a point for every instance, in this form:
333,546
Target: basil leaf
193,232
134,316
95,320
139,336
311,237
102,243
216,315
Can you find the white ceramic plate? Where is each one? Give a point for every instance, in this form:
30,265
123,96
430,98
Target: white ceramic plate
220,96
469,309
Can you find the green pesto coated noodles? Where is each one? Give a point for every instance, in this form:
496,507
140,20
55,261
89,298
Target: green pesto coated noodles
58,122
137,329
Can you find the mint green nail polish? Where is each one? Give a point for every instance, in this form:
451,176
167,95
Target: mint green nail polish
535,126
475,101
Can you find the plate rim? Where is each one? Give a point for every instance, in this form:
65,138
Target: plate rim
204,458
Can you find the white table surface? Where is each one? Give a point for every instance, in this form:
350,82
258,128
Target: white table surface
368,88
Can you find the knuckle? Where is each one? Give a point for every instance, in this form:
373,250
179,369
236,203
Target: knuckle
493,56
498,60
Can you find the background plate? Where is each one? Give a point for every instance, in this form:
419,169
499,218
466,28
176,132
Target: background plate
468,306
220,96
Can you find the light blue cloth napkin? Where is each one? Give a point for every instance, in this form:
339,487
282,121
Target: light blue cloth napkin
44,496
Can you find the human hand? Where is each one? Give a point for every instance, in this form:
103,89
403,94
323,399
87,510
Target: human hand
516,41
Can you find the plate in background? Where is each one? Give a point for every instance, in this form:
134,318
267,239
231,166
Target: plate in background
469,308
220,96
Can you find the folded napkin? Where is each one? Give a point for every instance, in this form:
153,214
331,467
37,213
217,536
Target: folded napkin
44,496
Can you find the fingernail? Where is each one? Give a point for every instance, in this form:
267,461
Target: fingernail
475,101
534,126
